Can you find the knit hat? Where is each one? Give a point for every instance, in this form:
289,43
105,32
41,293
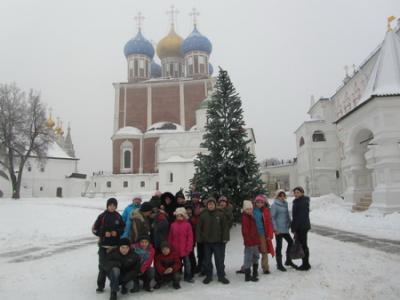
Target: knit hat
146,207
181,211
247,204
112,201
164,244
124,242
223,198
144,237
260,198
137,196
211,199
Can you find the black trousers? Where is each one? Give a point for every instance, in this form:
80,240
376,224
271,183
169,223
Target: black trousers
101,277
289,241
218,250
126,277
301,235
147,276
200,257
165,278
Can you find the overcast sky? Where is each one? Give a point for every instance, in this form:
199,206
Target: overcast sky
277,53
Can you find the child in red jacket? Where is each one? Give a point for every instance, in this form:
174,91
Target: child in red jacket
168,265
251,241
181,240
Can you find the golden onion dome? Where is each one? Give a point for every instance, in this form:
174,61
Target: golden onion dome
50,123
170,46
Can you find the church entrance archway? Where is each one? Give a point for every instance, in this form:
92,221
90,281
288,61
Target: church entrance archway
59,192
363,184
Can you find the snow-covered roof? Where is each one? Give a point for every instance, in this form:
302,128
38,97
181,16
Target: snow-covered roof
165,127
128,130
55,151
177,159
385,76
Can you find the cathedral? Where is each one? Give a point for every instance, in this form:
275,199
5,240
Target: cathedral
349,146
159,112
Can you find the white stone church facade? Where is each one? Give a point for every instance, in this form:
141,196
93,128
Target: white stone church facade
350,144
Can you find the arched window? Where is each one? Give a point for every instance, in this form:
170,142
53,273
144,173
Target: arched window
301,143
318,136
126,157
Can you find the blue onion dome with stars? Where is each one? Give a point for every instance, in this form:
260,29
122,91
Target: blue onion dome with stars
210,69
139,45
196,42
155,69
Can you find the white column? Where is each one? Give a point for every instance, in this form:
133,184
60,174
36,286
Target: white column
125,106
116,107
385,162
149,107
141,155
182,104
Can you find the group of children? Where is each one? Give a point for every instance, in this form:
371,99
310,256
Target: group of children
165,231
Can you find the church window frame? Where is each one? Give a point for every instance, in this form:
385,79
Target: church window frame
190,65
141,67
196,66
318,136
136,67
301,142
126,149
202,68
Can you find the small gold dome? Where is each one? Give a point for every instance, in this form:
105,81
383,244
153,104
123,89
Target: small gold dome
170,46
50,123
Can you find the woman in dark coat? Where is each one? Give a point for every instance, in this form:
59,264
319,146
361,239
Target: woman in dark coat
301,223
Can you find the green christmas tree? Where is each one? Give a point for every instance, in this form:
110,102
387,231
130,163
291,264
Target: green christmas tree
227,167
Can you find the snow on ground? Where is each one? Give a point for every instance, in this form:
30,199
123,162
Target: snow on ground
329,211
339,270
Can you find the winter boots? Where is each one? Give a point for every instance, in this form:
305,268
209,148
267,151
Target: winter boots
124,290
279,265
305,266
207,280
136,287
113,296
250,277
255,272
290,263
224,280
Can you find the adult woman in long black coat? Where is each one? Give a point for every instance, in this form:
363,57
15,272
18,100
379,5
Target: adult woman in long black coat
301,223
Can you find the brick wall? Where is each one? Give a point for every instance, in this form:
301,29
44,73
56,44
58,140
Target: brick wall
165,104
149,155
194,94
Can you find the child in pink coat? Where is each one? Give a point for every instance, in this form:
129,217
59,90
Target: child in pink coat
181,240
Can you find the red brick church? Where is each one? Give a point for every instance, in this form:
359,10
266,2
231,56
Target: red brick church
156,98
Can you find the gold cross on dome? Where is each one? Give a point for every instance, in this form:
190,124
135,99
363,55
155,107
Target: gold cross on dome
139,20
172,13
194,14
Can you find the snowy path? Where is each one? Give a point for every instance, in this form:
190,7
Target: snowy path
340,270
385,245
48,252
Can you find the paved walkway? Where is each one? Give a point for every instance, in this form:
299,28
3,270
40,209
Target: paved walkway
388,246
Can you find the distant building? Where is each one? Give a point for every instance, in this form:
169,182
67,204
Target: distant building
350,145
56,176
